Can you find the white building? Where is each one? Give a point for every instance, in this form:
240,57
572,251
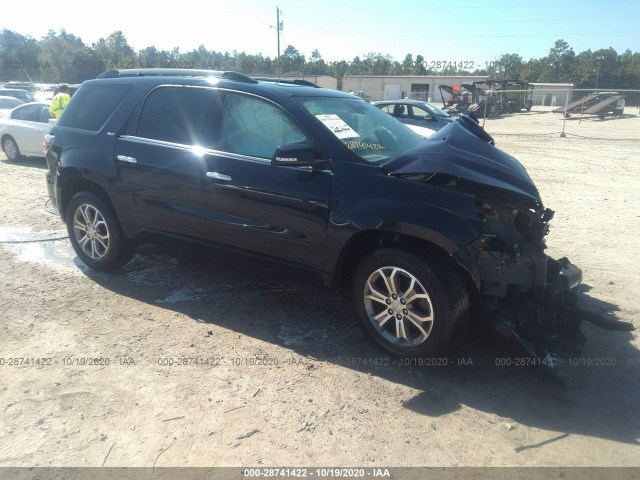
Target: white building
325,81
387,87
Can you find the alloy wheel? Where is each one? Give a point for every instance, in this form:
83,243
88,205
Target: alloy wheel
91,231
398,306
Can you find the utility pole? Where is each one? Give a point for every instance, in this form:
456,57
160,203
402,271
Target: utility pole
278,29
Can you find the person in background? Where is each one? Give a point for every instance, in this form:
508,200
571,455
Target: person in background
59,101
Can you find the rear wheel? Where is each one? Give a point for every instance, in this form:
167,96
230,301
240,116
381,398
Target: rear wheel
95,233
409,306
11,149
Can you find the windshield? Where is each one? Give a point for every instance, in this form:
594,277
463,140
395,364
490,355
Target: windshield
373,135
438,111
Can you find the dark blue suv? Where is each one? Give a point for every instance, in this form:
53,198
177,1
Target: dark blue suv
422,233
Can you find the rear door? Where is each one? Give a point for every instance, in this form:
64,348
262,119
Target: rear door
159,162
30,123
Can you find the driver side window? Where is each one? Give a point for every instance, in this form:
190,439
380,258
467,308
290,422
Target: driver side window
420,114
254,127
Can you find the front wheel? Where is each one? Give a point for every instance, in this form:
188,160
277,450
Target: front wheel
95,233
409,306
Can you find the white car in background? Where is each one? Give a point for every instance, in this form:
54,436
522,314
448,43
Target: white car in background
424,132
7,104
22,130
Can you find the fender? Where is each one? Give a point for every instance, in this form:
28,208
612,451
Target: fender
446,230
89,165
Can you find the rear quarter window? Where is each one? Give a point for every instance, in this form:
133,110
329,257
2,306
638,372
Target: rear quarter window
92,105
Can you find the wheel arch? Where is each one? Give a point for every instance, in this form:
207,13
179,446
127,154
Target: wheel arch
73,184
363,243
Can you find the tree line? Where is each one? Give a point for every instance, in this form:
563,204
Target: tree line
63,57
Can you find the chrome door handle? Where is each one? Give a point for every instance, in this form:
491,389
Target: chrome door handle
219,176
124,158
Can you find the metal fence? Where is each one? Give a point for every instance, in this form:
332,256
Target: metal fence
564,112
605,115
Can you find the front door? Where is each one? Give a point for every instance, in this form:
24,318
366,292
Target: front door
278,211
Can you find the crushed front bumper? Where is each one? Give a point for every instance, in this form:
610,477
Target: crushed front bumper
546,324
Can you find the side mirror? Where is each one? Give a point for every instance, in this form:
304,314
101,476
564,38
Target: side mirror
296,155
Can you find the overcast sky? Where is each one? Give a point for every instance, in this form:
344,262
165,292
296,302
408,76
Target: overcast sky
459,30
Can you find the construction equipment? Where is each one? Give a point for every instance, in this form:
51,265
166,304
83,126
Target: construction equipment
458,99
488,98
510,96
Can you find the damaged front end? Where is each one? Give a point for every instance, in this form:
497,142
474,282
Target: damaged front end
529,296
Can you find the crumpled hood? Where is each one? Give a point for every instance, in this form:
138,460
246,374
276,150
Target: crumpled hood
457,150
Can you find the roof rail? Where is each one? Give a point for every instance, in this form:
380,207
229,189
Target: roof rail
175,72
297,81
238,77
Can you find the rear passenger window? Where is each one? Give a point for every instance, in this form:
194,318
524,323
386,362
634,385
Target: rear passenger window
177,115
255,127
92,105
28,113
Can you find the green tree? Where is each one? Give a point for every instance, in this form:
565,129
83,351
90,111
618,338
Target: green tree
151,57
65,58
316,65
559,62
292,60
115,51
532,70
419,67
19,55
408,64
511,66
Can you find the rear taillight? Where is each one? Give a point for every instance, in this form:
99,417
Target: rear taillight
48,140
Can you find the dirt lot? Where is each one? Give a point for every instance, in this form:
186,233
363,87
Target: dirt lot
285,375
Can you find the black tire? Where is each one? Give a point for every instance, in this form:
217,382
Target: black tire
408,326
95,233
11,150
